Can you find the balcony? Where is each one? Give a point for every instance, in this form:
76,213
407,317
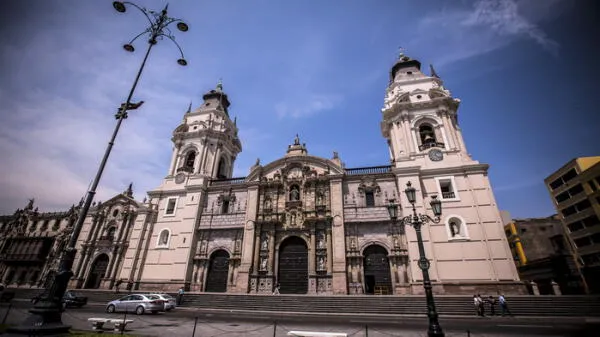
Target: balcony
230,181
429,145
448,195
13,257
185,169
369,170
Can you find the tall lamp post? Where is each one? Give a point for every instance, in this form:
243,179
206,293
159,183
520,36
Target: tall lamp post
45,316
417,220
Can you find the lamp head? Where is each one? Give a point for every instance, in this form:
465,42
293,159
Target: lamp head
392,208
436,206
129,48
182,26
119,6
411,193
182,62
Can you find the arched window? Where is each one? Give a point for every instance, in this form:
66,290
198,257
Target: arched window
163,238
190,159
222,169
427,135
294,193
456,228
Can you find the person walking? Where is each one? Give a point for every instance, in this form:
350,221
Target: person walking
481,305
276,291
117,285
476,305
503,305
492,301
180,293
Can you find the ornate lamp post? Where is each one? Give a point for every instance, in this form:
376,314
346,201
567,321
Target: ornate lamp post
417,220
45,316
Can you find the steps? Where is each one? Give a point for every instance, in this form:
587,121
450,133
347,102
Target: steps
574,306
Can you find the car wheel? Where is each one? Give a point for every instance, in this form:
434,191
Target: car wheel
139,310
110,309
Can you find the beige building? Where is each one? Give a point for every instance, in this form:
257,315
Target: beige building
574,189
308,223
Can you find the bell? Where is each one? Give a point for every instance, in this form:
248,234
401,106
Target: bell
428,139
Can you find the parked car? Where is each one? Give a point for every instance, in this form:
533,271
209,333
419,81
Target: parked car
137,303
71,299
170,302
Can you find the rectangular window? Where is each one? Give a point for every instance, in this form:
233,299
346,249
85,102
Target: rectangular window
447,188
583,242
225,207
556,183
370,199
171,204
591,221
573,227
593,185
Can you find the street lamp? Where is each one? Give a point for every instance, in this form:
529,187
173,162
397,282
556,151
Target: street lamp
45,316
417,220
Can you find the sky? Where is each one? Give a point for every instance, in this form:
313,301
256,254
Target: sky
526,72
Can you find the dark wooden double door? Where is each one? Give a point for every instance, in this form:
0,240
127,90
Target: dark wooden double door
218,270
293,266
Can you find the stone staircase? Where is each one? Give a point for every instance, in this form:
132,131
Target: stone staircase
574,306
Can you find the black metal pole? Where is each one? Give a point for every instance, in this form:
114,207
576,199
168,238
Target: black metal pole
45,316
434,330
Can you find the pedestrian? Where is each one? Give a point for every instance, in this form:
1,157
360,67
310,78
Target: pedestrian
476,305
481,307
129,286
117,285
503,305
492,301
276,291
180,293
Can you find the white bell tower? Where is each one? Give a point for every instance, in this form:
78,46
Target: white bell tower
206,143
420,116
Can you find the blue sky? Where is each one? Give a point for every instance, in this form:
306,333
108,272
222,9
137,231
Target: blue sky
526,72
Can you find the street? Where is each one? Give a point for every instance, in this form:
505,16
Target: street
180,322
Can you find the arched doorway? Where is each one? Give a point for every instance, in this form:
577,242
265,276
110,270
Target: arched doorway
376,266
293,266
218,269
97,272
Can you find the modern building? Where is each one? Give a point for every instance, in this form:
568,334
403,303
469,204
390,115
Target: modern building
305,222
540,250
574,189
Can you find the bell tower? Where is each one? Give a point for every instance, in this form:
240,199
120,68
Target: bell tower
206,143
420,116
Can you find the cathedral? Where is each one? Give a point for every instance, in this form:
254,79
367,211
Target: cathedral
306,224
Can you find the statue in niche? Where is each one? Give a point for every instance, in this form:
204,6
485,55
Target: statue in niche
237,245
321,263
396,242
263,263
295,193
293,218
352,243
264,242
319,198
454,229
321,241
267,203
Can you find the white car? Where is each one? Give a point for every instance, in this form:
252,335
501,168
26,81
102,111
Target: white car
170,302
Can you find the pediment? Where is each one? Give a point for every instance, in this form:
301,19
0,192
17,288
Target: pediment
295,168
119,199
418,92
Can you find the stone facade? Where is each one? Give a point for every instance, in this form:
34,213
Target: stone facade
307,224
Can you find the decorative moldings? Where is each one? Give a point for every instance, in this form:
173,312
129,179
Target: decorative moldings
226,196
369,185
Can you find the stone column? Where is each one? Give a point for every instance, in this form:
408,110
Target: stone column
216,160
312,270
271,258
85,251
329,249
174,159
451,134
338,251
249,241
534,287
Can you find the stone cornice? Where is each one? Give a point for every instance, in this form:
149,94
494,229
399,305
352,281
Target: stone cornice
464,169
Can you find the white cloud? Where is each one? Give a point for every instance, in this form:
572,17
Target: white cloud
307,106
460,33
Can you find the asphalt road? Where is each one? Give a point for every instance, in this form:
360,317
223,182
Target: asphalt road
180,322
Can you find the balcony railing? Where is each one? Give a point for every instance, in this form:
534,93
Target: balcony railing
369,170
426,146
185,169
448,195
21,257
230,181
